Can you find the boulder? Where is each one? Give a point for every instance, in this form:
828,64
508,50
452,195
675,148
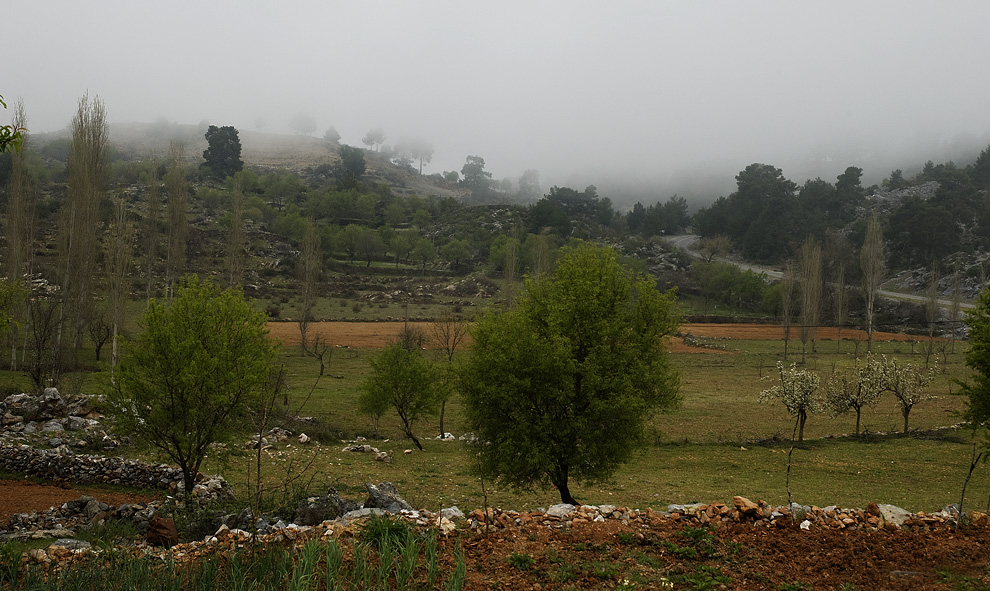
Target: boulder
745,506
312,511
560,510
338,506
162,532
893,515
53,426
452,513
24,406
385,496
76,423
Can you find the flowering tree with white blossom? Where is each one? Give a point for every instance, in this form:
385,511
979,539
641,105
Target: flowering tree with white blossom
800,391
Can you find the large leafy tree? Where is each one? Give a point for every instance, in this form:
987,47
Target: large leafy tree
560,386
188,378
223,156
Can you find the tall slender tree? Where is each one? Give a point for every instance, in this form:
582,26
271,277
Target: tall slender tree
787,303
22,194
178,222
310,265
151,230
88,182
119,260
235,235
810,270
839,301
873,268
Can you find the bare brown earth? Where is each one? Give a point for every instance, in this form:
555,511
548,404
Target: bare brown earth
601,555
25,496
375,335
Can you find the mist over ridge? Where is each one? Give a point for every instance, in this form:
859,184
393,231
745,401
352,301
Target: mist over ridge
641,100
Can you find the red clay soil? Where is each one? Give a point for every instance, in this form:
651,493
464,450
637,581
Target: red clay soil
25,496
375,335
753,558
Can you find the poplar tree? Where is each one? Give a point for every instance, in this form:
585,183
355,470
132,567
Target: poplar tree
178,223
88,182
873,267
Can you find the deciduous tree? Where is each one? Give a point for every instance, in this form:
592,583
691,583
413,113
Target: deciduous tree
854,389
560,386
800,393
873,267
404,380
200,361
907,383
177,196
88,182
810,271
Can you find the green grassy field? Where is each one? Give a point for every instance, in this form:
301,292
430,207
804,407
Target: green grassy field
720,442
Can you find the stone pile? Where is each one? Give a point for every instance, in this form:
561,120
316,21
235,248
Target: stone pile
742,510
62,521
47,413
62,465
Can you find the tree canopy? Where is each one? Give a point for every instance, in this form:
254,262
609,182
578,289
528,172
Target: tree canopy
223,156
560,386
977,391
404,380
200,361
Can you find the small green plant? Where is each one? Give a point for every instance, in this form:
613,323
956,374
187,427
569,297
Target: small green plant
625,538
109,533
521,561
564,573
703,579
10,562
962,582
702,539
604,570
382,531
678,552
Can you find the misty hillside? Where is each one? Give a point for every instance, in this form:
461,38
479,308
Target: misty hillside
377,225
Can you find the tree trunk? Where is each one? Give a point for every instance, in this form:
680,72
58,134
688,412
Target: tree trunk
409,433
858,411
906,411
560,481
443,410
802,418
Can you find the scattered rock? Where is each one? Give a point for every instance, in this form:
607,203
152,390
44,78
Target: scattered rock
893,515
452,513
385,496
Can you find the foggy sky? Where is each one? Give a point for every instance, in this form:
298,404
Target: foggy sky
661,94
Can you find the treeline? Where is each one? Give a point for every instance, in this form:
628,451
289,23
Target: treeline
768,216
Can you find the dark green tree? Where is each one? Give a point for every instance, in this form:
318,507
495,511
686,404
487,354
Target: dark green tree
223,155
188,378
977,392
476,178
352,165
560,386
